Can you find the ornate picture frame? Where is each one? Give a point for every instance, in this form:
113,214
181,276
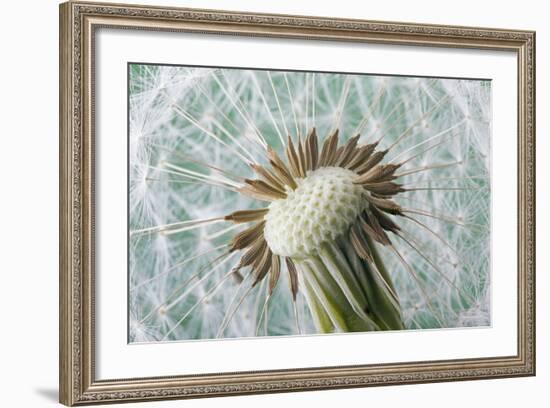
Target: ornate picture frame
79,23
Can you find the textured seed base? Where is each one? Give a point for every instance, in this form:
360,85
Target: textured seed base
322,208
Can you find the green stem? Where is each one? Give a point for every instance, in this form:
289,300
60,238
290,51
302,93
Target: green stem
327,315
345,293
379,263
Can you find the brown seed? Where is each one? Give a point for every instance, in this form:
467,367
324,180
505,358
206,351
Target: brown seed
247,237
261,266
348,151
359,243
329,150
373,229
385,205
237,276
301,159
253,252
373,160
362,155
386,188
383,172
247,215
312,150
274,272
292,158
280,168
293,275
385,221
269,177
250,192
261,187
337,156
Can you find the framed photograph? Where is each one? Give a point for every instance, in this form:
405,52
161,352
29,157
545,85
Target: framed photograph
256,203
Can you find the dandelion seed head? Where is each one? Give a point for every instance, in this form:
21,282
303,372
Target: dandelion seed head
322,207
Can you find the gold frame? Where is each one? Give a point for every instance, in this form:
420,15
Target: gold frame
78,22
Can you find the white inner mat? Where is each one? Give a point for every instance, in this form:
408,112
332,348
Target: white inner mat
117,359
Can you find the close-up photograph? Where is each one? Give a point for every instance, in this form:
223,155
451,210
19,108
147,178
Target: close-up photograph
244,203
373,202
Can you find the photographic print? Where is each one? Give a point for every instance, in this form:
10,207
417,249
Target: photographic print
277,203
321,203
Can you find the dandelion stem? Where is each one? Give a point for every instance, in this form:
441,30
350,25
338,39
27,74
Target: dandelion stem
194,178
216,262
259,138
425,168
216,106
435,268
333,293
278,105
437,136
425,295
434,109
431,231
192,159
174,267
200,176
291,99
270,114
180,111
439,189
263,314
211,292
326,314
436,216
385,119
313,99
178,226
371,108
306,87
341,104
229,317
296,316
396,120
